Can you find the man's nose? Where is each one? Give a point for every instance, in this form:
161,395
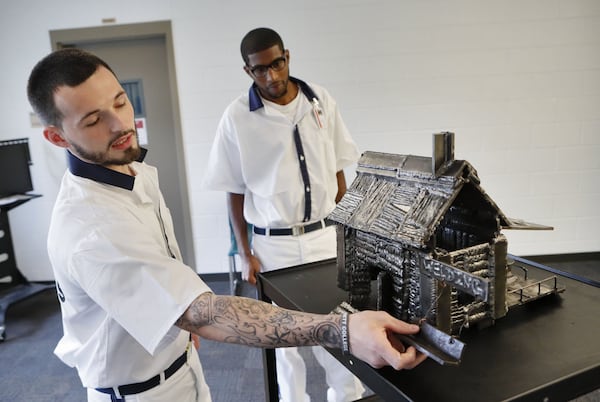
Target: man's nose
120,121
272,75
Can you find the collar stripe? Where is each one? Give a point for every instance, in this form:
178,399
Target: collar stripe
100,173
255,101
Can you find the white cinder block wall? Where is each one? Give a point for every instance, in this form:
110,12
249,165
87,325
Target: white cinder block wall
518,82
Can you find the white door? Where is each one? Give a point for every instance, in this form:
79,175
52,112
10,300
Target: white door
144,58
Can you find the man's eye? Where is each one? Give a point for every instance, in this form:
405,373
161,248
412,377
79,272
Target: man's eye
92,122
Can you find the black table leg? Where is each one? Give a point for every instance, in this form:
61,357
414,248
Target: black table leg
270,372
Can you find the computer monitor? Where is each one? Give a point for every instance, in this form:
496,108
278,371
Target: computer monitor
15,176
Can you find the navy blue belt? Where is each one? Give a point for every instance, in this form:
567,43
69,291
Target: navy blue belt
294,230
140,387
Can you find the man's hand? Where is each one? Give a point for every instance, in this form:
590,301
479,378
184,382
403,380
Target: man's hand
371,341
250,267
251,322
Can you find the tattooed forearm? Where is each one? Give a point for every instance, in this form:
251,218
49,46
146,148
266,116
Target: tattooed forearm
198,313
254,323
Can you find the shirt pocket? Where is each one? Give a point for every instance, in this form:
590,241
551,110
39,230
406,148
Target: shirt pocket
272,169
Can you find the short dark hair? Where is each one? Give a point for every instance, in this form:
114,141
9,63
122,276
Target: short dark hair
259,39
64,67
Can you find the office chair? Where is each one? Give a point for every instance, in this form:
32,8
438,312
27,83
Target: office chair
234,279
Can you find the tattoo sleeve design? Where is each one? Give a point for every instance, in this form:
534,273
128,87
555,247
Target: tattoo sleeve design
254,323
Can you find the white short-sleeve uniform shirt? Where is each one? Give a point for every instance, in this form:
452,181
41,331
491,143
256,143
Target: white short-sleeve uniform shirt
120,278
254,154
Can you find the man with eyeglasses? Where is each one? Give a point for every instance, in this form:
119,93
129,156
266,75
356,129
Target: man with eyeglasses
279,153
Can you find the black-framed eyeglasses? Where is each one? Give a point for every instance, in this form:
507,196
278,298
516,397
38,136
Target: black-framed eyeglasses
261,71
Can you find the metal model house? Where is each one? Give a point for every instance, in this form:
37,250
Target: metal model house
423,232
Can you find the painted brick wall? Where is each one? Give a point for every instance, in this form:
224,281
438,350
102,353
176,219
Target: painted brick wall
518,81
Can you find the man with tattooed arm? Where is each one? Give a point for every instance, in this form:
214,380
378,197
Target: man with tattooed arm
129,304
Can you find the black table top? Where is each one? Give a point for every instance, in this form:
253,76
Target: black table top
548,348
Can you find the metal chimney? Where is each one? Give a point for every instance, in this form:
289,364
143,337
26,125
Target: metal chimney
443,151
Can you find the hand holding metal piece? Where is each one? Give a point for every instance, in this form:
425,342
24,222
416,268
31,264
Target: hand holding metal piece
439,346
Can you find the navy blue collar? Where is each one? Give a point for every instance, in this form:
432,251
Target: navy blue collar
257,103
100,173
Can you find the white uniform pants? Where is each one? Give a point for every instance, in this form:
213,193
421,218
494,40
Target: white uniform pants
186,385
276,252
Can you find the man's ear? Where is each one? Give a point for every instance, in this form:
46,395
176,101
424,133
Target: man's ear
54,135
247,70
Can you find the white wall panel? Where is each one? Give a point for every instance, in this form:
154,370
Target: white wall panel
518,81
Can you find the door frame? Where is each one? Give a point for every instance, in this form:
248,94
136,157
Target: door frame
161,29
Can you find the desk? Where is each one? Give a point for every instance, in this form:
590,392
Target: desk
17,287
548,348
